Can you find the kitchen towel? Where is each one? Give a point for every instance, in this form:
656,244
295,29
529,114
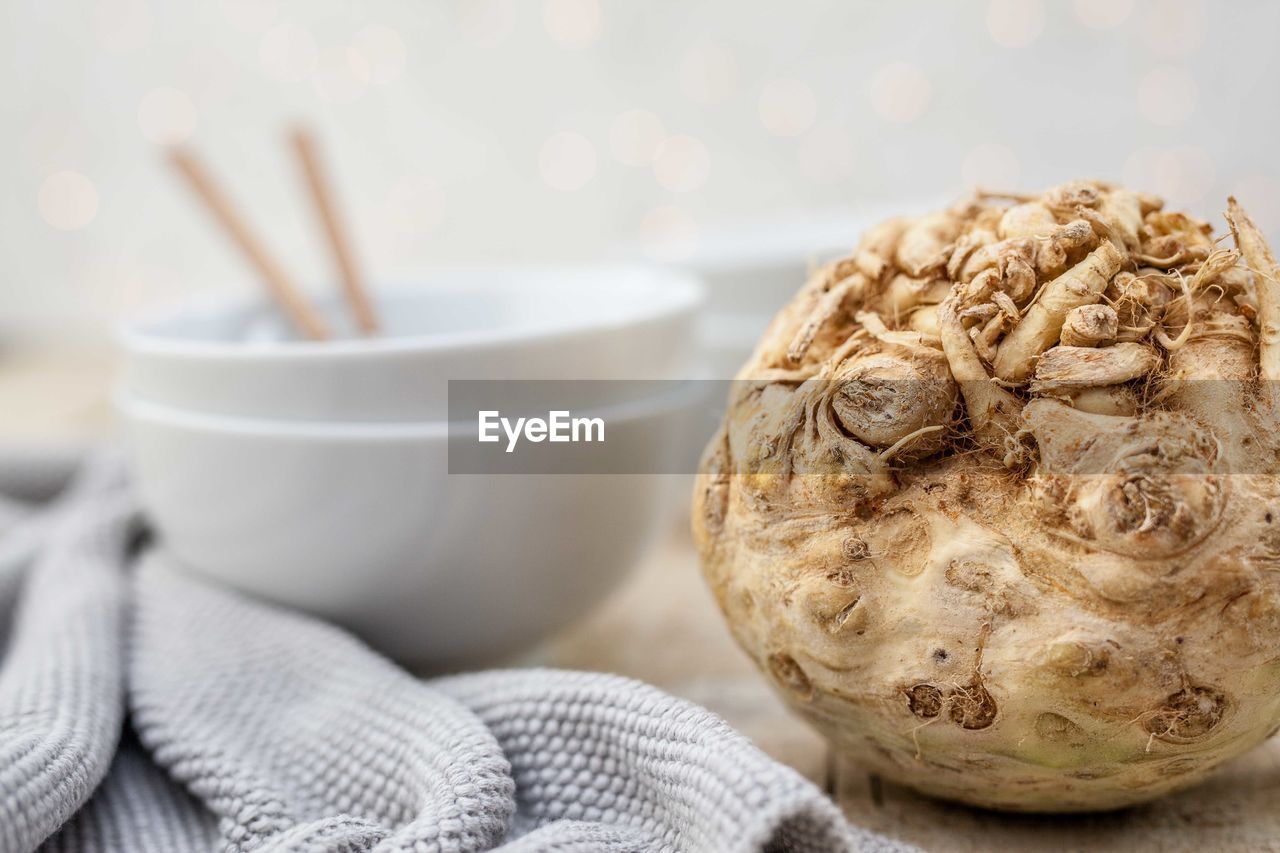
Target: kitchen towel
145,711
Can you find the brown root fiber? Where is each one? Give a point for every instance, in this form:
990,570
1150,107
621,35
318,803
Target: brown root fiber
995,504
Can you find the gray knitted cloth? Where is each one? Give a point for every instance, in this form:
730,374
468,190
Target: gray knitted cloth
141,710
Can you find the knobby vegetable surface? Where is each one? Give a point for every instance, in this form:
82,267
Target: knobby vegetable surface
995,503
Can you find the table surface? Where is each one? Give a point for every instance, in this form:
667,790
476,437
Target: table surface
663,627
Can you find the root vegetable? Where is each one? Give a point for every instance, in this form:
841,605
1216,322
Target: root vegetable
884,398
1257,254
1057,251
925,244
829,302
1068,198
1090,325
1068,367
993,411
1122,211
905,293
1030,219
1007,533
1108,400
1081,285
925,321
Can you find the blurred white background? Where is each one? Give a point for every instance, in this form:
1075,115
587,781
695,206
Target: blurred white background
498,130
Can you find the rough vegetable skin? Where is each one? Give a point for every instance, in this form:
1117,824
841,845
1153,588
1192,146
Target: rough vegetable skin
995,502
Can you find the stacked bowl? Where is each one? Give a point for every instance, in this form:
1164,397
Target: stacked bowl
751,271
317,474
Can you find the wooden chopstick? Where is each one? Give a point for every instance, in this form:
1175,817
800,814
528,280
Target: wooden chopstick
353,287
299,310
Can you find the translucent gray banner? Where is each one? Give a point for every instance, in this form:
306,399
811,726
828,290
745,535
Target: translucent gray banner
862,426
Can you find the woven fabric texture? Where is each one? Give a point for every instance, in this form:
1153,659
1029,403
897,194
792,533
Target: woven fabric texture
143,710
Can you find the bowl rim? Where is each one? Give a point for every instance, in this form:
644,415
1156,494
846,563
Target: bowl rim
733,249
134,408
675,292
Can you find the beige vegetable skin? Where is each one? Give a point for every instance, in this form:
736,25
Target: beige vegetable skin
1081,285
1013,545
1090,326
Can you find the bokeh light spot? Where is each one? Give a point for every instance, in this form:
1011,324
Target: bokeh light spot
1103,14
635,136
167,116
682,164
1015,23
572,23
900,92
708,73
378,55
68,200
484,23
567,161
787,107
288,53
341,75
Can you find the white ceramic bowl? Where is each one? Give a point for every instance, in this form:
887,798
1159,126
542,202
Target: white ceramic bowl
234,356
750,272
753,270
364,525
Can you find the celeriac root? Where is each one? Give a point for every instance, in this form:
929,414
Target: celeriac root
995,504
1093,367
1090,326
1258,256
1081,285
